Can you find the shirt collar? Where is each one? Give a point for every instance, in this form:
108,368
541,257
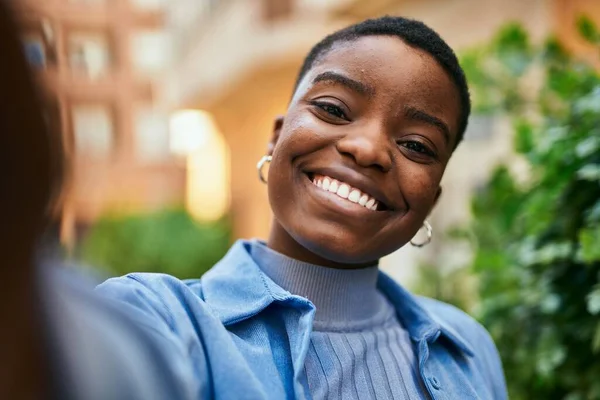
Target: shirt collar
236,289
420,324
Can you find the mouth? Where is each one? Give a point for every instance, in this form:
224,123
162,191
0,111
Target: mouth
346,192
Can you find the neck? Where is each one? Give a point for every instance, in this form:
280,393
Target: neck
345,299
282,242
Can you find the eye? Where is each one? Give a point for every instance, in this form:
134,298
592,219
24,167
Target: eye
331,109
417,147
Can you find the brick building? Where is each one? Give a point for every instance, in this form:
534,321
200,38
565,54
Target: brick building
100,61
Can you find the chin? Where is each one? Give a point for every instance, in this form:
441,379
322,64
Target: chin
341,247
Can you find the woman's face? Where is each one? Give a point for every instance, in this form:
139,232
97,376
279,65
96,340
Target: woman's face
358,158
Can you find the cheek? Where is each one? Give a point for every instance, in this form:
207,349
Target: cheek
303,133
296,139
419,185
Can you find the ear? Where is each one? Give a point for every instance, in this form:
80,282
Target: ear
276,131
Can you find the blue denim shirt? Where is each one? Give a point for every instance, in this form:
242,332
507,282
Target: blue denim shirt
235,334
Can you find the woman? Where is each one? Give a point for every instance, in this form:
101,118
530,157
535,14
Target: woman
355,169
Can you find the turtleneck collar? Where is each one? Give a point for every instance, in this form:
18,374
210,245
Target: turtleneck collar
344,299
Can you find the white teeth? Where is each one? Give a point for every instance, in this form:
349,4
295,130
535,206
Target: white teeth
354,196
333,187
343,191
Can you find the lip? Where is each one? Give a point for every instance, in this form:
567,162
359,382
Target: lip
356,180
342,206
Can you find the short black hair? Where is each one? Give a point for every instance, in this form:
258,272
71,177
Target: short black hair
413,33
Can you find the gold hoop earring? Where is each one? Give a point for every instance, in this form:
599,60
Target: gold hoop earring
429,230
260,165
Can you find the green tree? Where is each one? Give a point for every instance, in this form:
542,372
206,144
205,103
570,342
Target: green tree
537,250
168,241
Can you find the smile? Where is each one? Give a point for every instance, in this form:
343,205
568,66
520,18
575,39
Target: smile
346,192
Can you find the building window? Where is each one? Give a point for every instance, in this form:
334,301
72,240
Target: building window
150,51
35,51
89,54
93,129
151,135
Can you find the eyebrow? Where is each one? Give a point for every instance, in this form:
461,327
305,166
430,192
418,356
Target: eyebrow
334,77
420,115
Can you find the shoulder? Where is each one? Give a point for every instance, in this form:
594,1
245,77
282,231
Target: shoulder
85,326
171,311
154,294
456,322
150,281
149,285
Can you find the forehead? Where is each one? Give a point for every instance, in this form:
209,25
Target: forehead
397,72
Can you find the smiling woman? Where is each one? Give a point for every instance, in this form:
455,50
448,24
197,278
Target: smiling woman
389,132
355,169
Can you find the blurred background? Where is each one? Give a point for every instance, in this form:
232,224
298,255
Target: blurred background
165,107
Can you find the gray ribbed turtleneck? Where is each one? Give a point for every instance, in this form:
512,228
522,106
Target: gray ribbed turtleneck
358,348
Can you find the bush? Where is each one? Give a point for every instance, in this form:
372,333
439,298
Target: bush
168,241
537,255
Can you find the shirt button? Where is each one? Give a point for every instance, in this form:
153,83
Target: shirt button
435,383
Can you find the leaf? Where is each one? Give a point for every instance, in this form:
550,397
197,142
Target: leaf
590,172
589,240
550,358
593,215
550,303
596,340
574,396
588,146
593,301
554,52
589,103
513,50
512,37
524,139
588,30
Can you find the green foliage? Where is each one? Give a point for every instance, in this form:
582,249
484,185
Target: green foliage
537,253
588,30
169,241
455,286
494,71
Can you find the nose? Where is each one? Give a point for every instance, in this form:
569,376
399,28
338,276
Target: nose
368,148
